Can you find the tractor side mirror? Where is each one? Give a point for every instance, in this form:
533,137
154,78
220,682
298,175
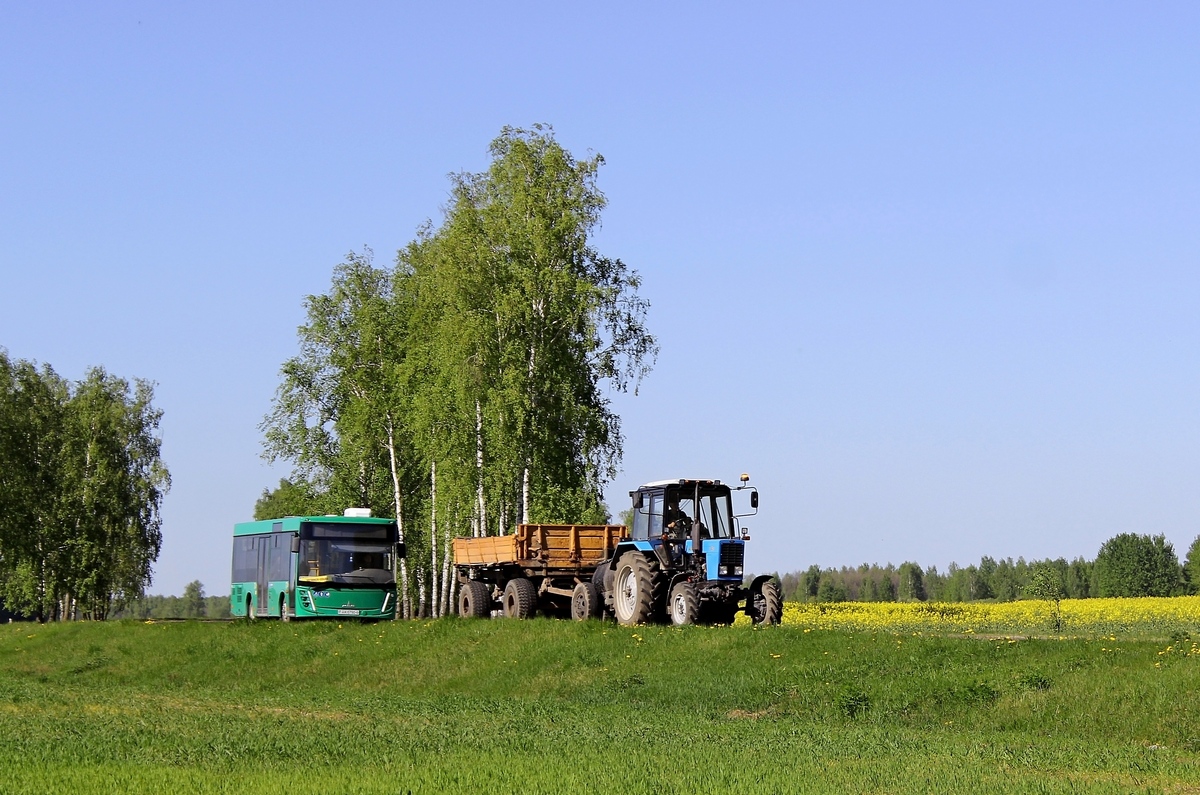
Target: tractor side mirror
400,550
295,543
637,500
754,499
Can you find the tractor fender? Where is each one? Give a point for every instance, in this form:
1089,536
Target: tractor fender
645,547
758,581
602,578
676,579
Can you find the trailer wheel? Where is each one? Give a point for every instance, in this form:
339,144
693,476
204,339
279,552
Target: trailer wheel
637,589
765,604
475,600
520,598
683,607
585,602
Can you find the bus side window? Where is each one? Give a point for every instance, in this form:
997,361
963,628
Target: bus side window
245,561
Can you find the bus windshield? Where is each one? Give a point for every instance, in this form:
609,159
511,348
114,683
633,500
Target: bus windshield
346,562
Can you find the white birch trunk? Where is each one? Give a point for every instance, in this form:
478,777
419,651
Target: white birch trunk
481,506
446,578
503,518
533,413
433,556
420,591
405,606
525,495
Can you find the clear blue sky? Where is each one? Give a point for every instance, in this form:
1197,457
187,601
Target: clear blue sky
929,272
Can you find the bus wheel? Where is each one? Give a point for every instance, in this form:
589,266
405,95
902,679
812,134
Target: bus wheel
250,608
283,609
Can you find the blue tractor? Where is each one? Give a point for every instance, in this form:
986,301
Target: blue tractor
682,561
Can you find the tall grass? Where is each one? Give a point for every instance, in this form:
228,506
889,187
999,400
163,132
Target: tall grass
553,706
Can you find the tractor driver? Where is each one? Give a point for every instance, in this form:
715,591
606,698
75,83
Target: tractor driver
678,520
676,523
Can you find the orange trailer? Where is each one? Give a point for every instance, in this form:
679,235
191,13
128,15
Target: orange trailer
542,566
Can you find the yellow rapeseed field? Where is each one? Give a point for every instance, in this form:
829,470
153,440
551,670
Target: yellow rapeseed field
1144,616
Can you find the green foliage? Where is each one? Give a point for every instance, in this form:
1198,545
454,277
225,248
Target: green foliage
464,390
1137,565
289,499
81,482
1191,567
154,607
811,581
831,588
1002,580
551,707
912,583
1047,583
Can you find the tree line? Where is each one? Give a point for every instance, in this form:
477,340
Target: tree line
81,484
464,389
192,604
1127,565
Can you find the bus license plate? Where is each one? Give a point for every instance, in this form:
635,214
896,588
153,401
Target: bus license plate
344,612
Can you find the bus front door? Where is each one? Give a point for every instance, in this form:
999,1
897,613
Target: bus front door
264,602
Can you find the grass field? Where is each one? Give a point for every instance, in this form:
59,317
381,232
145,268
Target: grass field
559,707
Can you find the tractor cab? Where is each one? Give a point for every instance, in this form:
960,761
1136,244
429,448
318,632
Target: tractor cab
669,509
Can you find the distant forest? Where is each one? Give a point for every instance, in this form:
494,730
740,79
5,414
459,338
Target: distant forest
193,604
1126,565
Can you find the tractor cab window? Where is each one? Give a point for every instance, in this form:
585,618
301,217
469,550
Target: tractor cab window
648,520
714,516
640,518
656,515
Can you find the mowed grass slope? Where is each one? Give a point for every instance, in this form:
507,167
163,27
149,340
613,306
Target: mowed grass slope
554,707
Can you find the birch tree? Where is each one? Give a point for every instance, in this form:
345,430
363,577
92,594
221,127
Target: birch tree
473,378
340,411
82,482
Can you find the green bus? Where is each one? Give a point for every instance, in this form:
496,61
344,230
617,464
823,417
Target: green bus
315,566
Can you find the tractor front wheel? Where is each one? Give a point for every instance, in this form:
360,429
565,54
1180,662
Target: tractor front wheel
683,607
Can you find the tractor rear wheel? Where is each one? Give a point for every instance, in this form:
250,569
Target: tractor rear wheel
765,605
475,600
637,589
683,607
585,602
520,599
